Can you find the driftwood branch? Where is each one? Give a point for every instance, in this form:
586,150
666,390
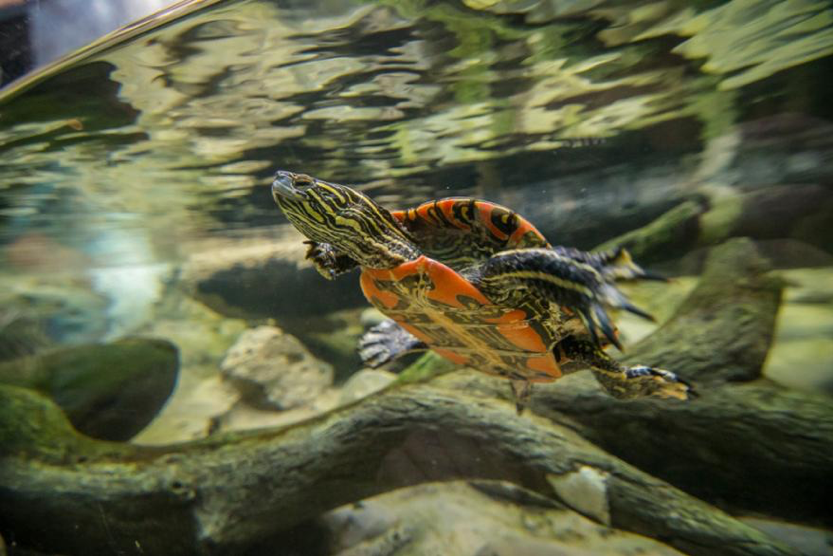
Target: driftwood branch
711,217
221,495
63,491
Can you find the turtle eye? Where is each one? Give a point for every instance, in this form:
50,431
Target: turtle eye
303,182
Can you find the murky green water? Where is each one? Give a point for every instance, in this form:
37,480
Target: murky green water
151,287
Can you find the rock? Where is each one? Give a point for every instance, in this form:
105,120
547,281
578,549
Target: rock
273,370
585,490
364,383
110,391
457,519
331,337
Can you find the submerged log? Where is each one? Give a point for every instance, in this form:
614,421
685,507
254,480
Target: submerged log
785,212
221,495
62,491
755,446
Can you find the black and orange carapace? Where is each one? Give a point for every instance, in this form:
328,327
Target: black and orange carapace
476,283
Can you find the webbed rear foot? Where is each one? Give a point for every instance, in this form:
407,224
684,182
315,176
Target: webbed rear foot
641,381
622,382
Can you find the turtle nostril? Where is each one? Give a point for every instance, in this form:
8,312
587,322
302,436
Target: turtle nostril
284,186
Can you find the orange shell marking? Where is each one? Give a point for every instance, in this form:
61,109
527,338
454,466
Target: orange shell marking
516,329
484,211
443,285
448,283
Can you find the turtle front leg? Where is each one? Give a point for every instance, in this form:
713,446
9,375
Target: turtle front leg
620,381
385,342
328,261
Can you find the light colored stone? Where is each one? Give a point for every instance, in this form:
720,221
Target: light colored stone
273,370
585,491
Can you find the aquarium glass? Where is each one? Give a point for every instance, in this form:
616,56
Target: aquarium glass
187,367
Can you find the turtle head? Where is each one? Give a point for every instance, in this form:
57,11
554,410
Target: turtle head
347,219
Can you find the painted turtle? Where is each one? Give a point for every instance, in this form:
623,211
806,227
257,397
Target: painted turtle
476,283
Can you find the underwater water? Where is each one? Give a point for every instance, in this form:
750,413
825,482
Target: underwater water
176,377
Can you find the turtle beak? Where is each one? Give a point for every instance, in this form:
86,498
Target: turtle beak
283,186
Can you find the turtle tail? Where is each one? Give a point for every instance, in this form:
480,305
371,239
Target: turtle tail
617,264
614,264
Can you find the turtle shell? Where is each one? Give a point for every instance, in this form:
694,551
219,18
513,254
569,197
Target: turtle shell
460,232
432,299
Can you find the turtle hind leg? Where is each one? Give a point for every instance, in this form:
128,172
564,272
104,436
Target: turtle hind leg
641,381
581,282
385,342
623,382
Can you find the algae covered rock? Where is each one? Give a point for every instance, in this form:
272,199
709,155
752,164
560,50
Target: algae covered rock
108,391
273,370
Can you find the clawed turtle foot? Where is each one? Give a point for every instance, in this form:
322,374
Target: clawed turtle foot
641,381
327,260
659,383
385,342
